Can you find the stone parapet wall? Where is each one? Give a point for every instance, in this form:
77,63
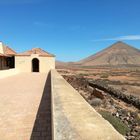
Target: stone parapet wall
73,118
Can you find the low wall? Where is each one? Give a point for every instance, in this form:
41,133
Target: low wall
73,118
7,73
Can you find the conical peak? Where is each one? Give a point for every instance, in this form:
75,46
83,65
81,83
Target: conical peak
120,45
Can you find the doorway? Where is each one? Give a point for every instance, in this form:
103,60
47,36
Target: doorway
35,65
10,62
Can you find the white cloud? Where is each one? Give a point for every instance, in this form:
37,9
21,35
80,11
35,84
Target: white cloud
120,38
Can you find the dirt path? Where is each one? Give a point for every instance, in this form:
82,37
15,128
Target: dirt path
21,104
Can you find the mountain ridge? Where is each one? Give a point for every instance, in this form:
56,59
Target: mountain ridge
118,53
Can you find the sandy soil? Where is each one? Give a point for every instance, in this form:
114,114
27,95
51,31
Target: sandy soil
130,77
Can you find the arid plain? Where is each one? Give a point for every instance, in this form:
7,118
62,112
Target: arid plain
110,82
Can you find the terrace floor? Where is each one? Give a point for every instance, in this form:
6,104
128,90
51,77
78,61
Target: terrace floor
25,107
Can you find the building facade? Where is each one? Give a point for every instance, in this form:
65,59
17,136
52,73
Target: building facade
34,60
7,57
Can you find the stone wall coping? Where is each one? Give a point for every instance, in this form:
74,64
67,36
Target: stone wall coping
73,118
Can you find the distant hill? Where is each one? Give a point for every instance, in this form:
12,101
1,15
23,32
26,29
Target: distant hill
117,54
63,65
60,64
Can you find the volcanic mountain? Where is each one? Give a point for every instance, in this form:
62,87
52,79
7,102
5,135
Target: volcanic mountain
117,54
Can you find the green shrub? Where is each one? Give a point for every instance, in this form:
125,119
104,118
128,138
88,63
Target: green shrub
116,122
105,75
137,117
83,74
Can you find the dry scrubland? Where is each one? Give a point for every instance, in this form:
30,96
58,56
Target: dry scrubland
124,79
124,116
110,82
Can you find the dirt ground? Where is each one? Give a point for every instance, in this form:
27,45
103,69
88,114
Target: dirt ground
124,79
104,102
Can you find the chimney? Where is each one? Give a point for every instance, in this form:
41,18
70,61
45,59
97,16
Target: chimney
1,48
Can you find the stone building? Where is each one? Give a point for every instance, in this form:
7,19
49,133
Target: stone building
35,60
7,57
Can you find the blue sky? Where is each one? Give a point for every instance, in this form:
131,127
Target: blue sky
70,29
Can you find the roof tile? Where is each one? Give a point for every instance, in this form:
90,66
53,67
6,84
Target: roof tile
38,51
8,51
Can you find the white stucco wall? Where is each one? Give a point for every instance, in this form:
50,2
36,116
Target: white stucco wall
1,48
24,63
7,73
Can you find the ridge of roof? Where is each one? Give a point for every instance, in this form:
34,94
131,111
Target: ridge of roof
8,50
38,51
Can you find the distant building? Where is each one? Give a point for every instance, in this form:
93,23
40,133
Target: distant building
35,60
7,57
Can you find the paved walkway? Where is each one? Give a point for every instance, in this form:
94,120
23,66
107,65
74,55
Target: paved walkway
22,107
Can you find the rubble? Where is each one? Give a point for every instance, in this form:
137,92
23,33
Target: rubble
128,98
101,96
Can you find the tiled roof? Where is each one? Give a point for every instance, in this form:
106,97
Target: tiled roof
38,51
8,51
1,54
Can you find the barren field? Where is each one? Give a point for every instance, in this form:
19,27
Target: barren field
114,93
124,79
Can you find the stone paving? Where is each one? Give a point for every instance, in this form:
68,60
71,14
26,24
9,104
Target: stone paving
24,114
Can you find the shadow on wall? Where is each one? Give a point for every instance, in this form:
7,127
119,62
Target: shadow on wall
42,125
